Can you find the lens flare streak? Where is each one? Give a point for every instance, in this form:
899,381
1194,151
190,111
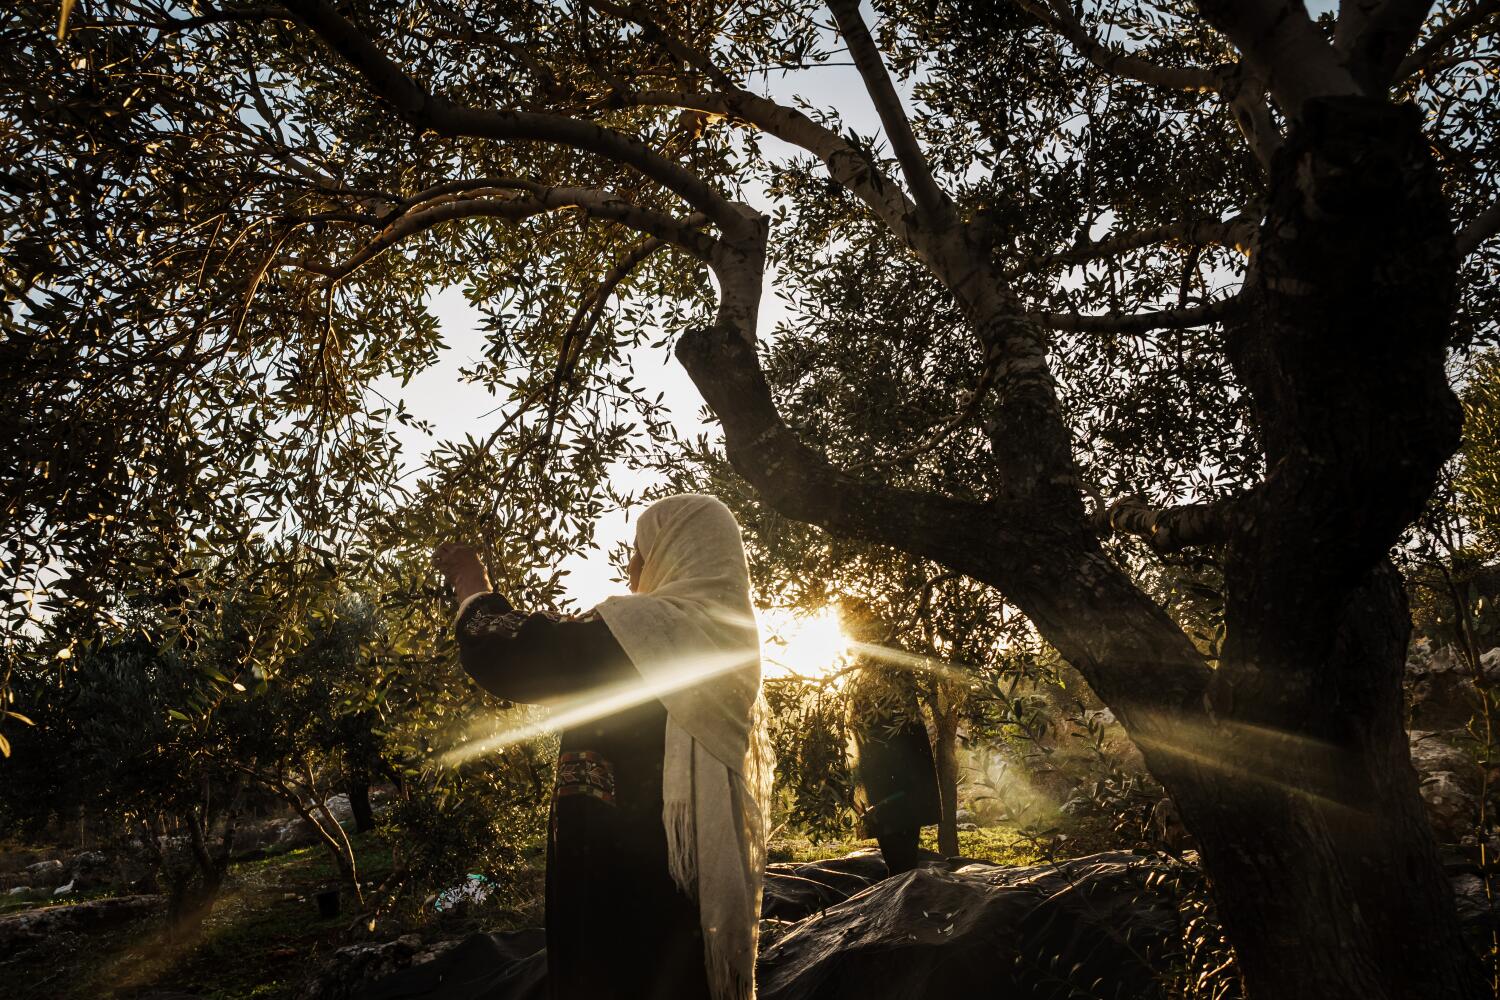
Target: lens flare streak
913,662
1259,752
600,704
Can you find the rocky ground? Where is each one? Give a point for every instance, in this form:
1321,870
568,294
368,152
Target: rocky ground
1113,924
261,940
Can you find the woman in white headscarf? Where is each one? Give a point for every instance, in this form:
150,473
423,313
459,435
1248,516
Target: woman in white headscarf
658,825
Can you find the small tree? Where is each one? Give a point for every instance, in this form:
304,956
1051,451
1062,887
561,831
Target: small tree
115,744
814,785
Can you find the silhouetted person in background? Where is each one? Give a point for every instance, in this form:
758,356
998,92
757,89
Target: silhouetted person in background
896,787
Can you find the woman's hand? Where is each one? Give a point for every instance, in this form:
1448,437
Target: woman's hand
461,569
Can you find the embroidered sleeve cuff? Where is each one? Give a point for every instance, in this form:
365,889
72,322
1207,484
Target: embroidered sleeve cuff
483,601
468,603
486,618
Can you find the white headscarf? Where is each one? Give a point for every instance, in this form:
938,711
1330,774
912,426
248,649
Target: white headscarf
691,632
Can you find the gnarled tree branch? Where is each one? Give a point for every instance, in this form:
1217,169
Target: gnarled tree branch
801,483
1437,43
1143,322
931,199
1354,19
1169,529
1236,232
1241,90
428,111
1150,674
1482,228
793,478
419,221
850,166
1062,21
1246,94
1283,47
515,199
1373,35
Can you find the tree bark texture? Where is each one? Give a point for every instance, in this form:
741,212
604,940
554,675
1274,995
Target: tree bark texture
945,759
1343,355
359,802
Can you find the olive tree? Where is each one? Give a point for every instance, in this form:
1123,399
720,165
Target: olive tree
1266,226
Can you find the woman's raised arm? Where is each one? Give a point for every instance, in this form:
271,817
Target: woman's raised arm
539,658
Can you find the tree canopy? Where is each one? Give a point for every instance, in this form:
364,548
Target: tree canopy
215,242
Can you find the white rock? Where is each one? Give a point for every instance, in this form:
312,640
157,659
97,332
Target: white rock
1431,753
1452,810
1445,659
63,890
19,890
294,831
473,890
339,806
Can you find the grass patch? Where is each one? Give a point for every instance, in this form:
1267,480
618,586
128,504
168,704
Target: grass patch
797,850
1000,844
261,938
44,897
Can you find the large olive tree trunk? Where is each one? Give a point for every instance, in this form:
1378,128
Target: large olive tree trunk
1343,354
1288,762
357,787
1324,865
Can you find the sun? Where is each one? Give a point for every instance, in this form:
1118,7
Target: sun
802,645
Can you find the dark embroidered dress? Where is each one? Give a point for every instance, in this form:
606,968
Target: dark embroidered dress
617,927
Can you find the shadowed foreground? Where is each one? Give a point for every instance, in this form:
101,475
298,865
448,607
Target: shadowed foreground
1111,925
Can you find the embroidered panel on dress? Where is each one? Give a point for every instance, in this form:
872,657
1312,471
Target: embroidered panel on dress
584,772
483,624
